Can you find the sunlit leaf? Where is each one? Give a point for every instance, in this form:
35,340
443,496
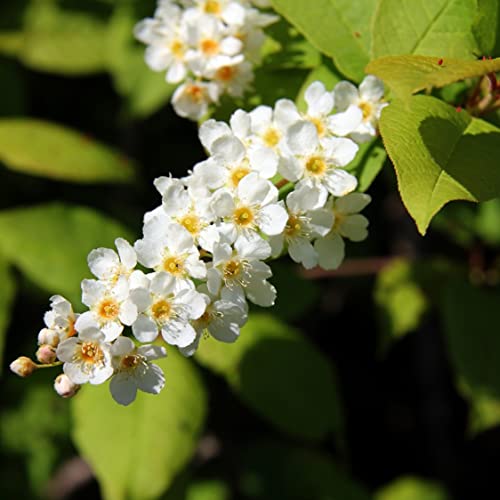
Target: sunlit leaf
408,74
340,29
368,163
136,451
439,155
50,243
42,148
300,397
442,28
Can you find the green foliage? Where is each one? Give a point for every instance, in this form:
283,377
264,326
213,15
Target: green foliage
299,398
136,451
474,346
442,28
412,488
368,163
439,155
58,238
49,150
7,292
208,490
57,40
35,430
399,298
274,470
340,29
409,74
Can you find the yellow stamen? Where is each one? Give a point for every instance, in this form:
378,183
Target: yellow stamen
108,309
271,137
316,166
237,174
232,269
226,73
174,265
209,47
91,352
161,310
367,109
191,223
243,216
293,226
212,7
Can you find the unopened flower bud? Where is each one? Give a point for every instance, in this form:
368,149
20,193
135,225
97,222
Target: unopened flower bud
46,354
48,336
65,387
23,366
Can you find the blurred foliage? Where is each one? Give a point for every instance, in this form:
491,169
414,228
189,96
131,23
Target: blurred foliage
411,488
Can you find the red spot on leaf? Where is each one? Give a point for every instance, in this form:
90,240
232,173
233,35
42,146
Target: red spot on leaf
440,62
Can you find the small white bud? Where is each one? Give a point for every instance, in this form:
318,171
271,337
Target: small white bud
23,366
48,336
65,387
46,354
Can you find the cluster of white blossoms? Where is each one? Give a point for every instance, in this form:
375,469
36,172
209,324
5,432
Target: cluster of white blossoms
275,182
209,47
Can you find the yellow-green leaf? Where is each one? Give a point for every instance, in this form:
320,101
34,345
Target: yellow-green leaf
409,74
136,451
442,28
50,243
439,155
45,149
280,375
412,488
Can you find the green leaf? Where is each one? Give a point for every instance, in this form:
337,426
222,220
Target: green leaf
210,489
7,292
486,26
399,298
145,90
439,155
409,74
50,243
440,28
58,41
340,29
412,488
367,164
41,148
136,451
487,221
299,398
323,73
275,470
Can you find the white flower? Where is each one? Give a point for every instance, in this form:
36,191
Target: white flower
222,319
239,272
367,99
170,247
133,370
110,307
86,358
306,220
108,266
65,387
167,39
233,77
348,224
318,163
191,99
319,106
167,308
253,207
60,322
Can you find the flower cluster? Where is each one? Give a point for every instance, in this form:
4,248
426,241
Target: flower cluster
275,182
209,47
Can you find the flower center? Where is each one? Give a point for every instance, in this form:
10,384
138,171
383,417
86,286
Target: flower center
129,362
195,93
177,49
320,127
367,109
161,310
316,166
191,223
108,309
71,330
338,221
271,137
226,73
293,226
209,47
232,269
174,265
91,352
212,7
237,174
243,216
